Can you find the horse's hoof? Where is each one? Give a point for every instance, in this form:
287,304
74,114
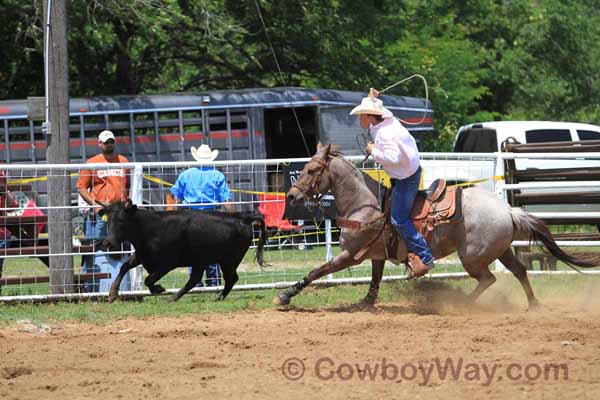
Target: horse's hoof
535,305
366,303
281,299
112,298
157,289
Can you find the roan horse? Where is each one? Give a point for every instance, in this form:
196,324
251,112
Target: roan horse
484,235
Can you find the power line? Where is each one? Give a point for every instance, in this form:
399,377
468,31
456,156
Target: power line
308,153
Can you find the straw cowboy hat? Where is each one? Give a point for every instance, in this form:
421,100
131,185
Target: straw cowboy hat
371,105
204,153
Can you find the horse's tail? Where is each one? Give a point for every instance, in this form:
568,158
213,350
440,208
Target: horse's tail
534,229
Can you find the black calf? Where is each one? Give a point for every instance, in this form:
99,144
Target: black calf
165,240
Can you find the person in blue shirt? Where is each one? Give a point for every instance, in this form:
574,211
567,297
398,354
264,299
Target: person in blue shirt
202,188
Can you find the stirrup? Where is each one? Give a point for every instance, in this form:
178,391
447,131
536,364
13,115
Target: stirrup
415,267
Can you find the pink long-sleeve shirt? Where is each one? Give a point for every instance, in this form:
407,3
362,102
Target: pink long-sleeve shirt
395,148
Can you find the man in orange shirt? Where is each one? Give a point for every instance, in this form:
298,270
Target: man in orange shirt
104,186
101,187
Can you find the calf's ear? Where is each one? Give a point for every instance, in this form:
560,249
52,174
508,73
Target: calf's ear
129,205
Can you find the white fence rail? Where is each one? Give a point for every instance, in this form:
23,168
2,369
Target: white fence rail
292,254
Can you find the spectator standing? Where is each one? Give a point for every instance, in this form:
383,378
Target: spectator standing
102,187
202,188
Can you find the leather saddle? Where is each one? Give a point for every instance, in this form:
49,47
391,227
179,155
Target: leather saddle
434,206
437,205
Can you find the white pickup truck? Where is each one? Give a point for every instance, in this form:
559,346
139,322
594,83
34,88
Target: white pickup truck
487,137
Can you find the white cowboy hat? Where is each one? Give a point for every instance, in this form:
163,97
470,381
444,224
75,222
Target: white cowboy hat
371,105
204,153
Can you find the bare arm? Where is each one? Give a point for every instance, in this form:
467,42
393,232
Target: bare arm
87,196
171,201
229,207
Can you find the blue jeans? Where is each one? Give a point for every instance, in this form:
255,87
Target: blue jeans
95,228
404,192
213,275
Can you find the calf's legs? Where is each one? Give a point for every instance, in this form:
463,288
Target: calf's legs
131,263
230,276
195,278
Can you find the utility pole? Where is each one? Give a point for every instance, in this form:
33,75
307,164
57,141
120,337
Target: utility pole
60,235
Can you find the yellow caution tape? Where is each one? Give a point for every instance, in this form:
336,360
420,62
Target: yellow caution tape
297,235
23,181
378,174
26,180
469,183
165,183
382,177
157,180
258,193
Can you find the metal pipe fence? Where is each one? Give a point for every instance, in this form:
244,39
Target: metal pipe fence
255,184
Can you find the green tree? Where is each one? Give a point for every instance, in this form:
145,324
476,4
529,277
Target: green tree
21,60
483,59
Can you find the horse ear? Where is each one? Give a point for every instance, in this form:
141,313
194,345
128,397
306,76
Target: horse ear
327,151
319,146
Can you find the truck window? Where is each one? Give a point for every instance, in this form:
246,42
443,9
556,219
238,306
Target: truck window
548,135
476,140
588,135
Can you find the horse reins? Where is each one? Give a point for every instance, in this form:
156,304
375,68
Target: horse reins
311,189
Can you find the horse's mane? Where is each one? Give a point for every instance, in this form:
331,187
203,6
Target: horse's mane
336,151
374,186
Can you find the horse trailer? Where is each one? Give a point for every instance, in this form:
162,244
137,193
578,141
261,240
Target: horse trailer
273,123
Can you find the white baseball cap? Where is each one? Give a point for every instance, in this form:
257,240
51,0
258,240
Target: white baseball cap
105,136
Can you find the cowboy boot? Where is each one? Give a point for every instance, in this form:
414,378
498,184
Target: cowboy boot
416,267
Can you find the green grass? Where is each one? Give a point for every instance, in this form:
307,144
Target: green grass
100,312
287,265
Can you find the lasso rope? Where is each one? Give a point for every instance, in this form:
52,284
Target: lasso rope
376,93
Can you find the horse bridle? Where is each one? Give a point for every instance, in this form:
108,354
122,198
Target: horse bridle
310,190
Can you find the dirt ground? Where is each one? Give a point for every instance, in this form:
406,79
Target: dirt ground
397,350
